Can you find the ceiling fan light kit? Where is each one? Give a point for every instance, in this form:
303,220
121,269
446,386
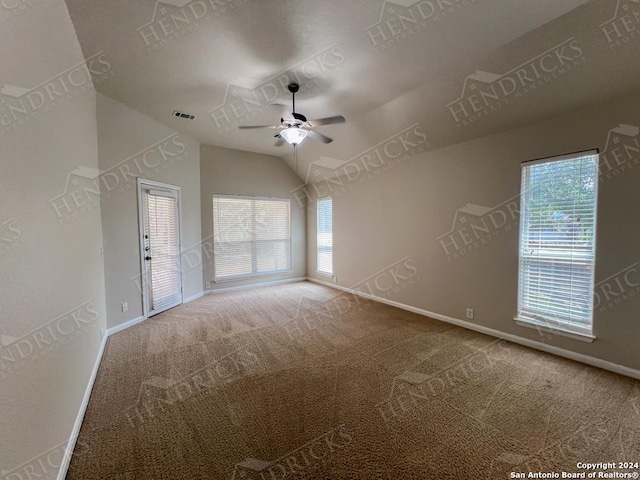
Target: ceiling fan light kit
294,135
294,128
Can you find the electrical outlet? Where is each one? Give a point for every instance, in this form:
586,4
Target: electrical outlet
207,285
335,279
125,307
470,313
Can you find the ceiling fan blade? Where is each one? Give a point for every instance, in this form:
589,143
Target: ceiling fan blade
320,137
327,121
244,127
279,141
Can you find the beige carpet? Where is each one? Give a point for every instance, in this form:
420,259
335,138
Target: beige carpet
293,382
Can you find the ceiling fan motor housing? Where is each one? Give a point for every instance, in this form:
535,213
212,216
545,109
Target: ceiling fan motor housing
299,116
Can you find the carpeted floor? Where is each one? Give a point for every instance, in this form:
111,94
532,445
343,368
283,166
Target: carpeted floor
293,381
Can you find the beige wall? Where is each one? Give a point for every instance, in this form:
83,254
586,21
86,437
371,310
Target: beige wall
232,172
382,219
52,269
132,145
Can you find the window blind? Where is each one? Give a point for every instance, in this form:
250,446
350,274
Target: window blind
252,236
557,242
324,235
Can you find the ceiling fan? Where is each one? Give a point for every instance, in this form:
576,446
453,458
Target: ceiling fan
294,127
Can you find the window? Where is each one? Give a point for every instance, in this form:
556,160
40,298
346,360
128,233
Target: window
557,242
324,236
251,236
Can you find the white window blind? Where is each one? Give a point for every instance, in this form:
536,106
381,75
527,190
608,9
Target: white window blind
557,242
324,235
252,236
163,243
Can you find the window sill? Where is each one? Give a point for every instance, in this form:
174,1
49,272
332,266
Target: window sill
324,274
530,323
237,278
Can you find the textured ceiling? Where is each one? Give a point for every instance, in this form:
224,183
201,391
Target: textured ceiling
445,71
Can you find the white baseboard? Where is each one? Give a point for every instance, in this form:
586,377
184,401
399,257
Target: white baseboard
193,297
125,325
561,352
71,444
255,285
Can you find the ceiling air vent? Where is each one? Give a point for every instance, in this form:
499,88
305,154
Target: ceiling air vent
179,114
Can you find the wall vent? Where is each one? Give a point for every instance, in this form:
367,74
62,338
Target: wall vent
179,114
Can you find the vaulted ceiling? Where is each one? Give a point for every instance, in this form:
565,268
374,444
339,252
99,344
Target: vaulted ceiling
455,69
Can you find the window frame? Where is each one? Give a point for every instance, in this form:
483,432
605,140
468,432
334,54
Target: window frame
541,322
318,271
252,242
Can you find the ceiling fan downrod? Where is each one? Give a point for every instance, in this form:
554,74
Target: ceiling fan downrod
293,88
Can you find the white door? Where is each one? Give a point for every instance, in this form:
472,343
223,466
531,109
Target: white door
160,243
